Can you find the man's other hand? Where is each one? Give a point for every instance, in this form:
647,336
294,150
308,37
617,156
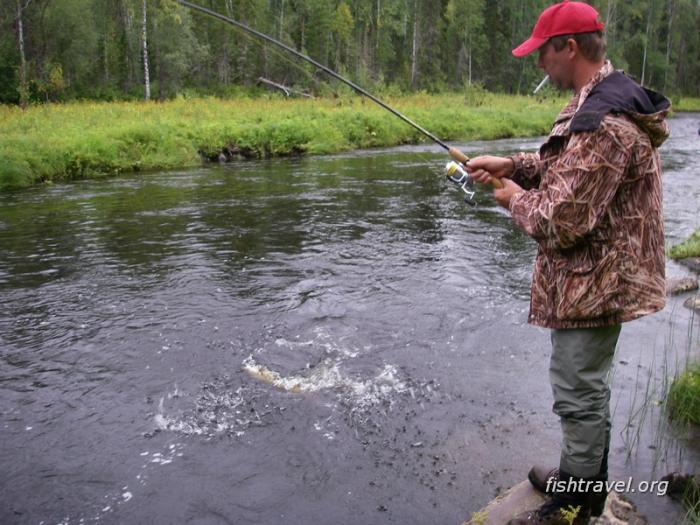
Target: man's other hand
504,194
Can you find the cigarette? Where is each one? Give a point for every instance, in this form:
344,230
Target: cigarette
541,84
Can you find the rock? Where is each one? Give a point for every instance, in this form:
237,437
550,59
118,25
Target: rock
683,487
693,303
520,498
523,497
691,262
619,511
678,286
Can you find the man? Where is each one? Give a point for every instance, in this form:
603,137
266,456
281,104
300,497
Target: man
591,198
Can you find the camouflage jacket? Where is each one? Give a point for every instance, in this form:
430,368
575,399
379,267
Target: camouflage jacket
594,205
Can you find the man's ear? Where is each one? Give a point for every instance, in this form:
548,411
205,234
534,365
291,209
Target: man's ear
572,47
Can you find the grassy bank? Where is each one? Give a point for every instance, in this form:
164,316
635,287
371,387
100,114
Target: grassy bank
686,104
688,248
60,142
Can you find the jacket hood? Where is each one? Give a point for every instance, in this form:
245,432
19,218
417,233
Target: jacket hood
617,93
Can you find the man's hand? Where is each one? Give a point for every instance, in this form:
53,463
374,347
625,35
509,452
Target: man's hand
481,169
504,195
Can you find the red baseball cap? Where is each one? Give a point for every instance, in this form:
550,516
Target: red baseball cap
566,18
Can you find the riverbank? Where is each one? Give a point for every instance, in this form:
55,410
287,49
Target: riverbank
79,140
58,142
686,104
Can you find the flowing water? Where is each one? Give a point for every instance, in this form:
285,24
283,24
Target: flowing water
321,340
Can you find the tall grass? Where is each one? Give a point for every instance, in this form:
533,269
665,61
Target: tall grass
683,400
87,139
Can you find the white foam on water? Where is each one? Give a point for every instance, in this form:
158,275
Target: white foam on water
215,413
321,340
226,406
326,376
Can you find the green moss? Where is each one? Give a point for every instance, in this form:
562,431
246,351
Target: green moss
683,400
688,248
66,141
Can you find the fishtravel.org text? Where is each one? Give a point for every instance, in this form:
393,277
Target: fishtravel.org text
630,487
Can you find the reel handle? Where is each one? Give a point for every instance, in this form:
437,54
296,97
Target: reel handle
463,159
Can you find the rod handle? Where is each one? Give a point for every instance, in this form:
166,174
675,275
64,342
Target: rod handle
463,159
458,155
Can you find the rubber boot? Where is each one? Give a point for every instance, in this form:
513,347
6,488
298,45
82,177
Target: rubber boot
545,478
559,509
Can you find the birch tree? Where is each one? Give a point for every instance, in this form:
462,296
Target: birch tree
144,47
23,84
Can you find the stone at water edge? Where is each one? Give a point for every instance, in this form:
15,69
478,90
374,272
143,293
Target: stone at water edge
693,303
520,498
523,497
678,286
691,262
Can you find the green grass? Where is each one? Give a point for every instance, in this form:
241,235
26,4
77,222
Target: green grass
686,104
693,516
688,248
59,142
684,396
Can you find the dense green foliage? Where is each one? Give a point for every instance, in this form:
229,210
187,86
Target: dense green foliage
688,248
94,48
684,396
63,141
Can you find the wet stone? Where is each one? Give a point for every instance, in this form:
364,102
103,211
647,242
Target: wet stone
691,262
693,303
679,286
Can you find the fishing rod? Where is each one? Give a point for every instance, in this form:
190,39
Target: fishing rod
455,170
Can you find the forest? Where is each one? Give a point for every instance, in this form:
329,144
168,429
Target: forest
61,50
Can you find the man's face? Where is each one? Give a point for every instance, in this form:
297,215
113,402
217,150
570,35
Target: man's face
557,64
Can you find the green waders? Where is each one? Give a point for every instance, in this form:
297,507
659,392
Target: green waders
579,372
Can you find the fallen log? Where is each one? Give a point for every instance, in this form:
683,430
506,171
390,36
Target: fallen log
288,92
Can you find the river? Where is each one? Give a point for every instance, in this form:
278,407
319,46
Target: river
389,319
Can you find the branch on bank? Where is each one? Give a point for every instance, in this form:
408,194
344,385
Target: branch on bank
288,92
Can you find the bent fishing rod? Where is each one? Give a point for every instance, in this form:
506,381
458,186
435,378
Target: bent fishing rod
455,170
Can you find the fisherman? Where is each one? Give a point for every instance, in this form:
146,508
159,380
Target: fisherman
591,199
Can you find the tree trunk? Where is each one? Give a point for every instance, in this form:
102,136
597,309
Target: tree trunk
105,54
671,5
127,24
610,25
144,42
414,46
379,23
23,86
646,42
281,29
469,58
